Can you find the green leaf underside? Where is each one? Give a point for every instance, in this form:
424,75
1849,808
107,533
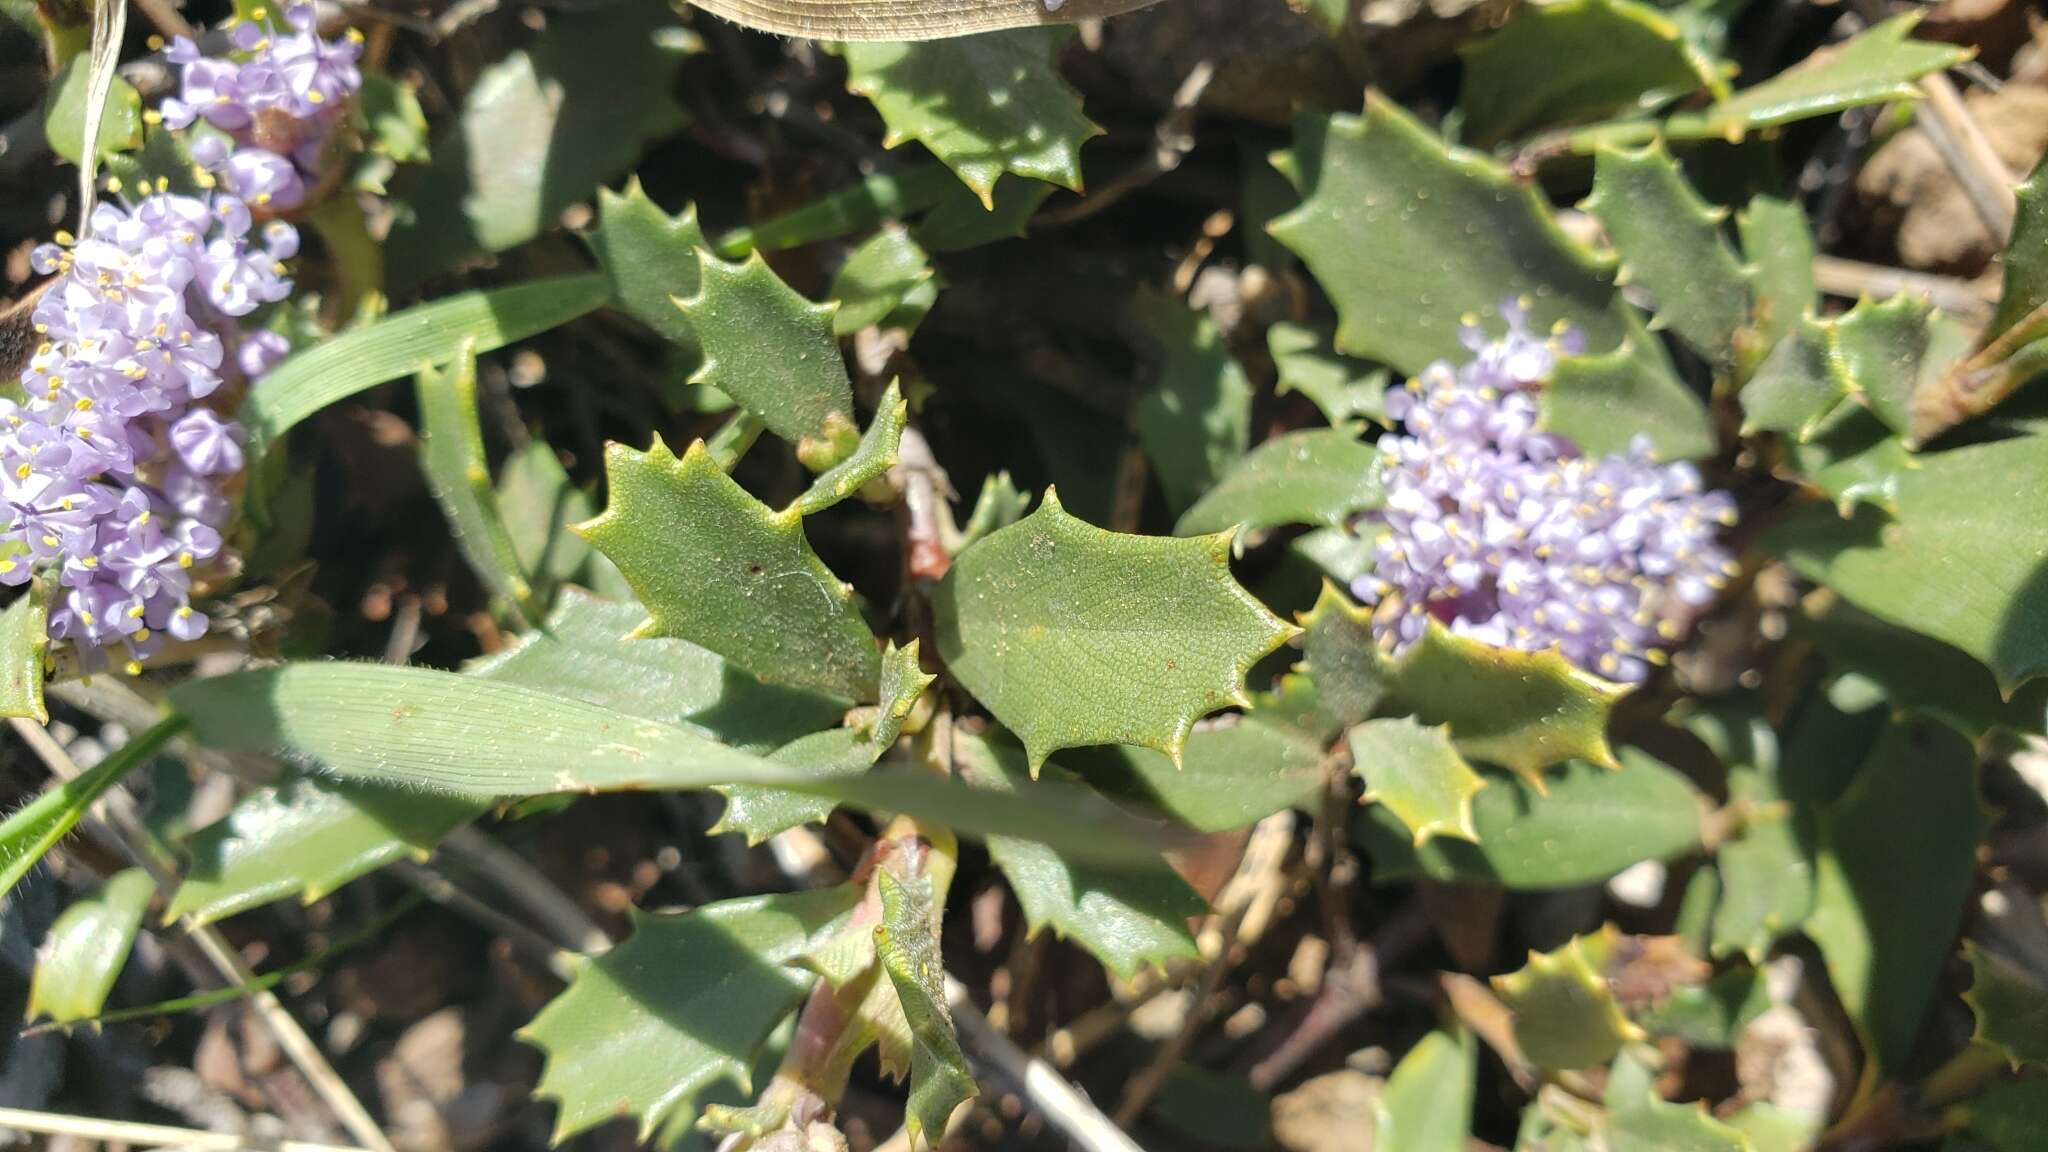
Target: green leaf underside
1072,635
984,105
1671,244
877,278
650,260
24,638
458,472
1961,562
768,348
1322,476
1128,919
1573,60
1308,363
1591,824
685,1001
907,943
1566,1016
1408,235
1416,773
1195,422
2010,1006
1603,401
1897,856
1230,775
1638,1120
79,959
875,455
714,566
1778,252
1426,1105
397,345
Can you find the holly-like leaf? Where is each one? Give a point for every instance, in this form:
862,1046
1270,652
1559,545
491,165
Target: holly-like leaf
2026,257
907,943
1566,1015
80,958
1427,1103
1854,459
306,837
877,279
1960,561
985,104
388,115
1767,873
1416,774
1409,235
1876,67
1073,635
1195,423
1875,355
873,457
650,259
1590,824
2008,1117
1321,476
1566,61
683,1002
1777,254
24,639
1638,1120
1524,711
1604,400
2011,1007
960,220
1897,856
1670,243
1340,654
1797,387
458,473
714,566
769,349
1308,363
903,683
1129,919
539,131
1230,775
759,813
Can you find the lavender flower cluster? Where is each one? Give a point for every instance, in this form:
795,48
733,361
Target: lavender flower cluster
113,465
1511,536
279,103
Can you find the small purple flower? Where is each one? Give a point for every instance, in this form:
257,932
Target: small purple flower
1512,536
207,444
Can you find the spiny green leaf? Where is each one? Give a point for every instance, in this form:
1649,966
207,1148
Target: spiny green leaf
1566,1016
539,130
1129,919
1321,476
716,567
389,117
878,278
1670,243
1854,459
307,837
341,366
1897,855
1072,635
1565,61
1426,1105
1603,401
1709,1016
1195,423
1920,674
650,259
1000,504
759,813
683,1002
1524,711
907,942
1766,870
1408,236
1881,347
875,455
2009,1117
1340,654
903,683
1875,354
2010,1005
452,456
1308,363
80,958
1229,777
1590,824
64,115
985,104
1416,774
1777,253
769,349
1797,387
1876,67
36,827
24,638
1959,562
2026,257
1638,1120
961,220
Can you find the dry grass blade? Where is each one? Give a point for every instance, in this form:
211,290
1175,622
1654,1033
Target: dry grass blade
908,19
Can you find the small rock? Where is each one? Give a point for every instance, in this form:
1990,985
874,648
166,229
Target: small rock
1331,1113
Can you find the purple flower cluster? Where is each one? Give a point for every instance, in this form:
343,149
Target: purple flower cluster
278,101
1511,536
111,466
